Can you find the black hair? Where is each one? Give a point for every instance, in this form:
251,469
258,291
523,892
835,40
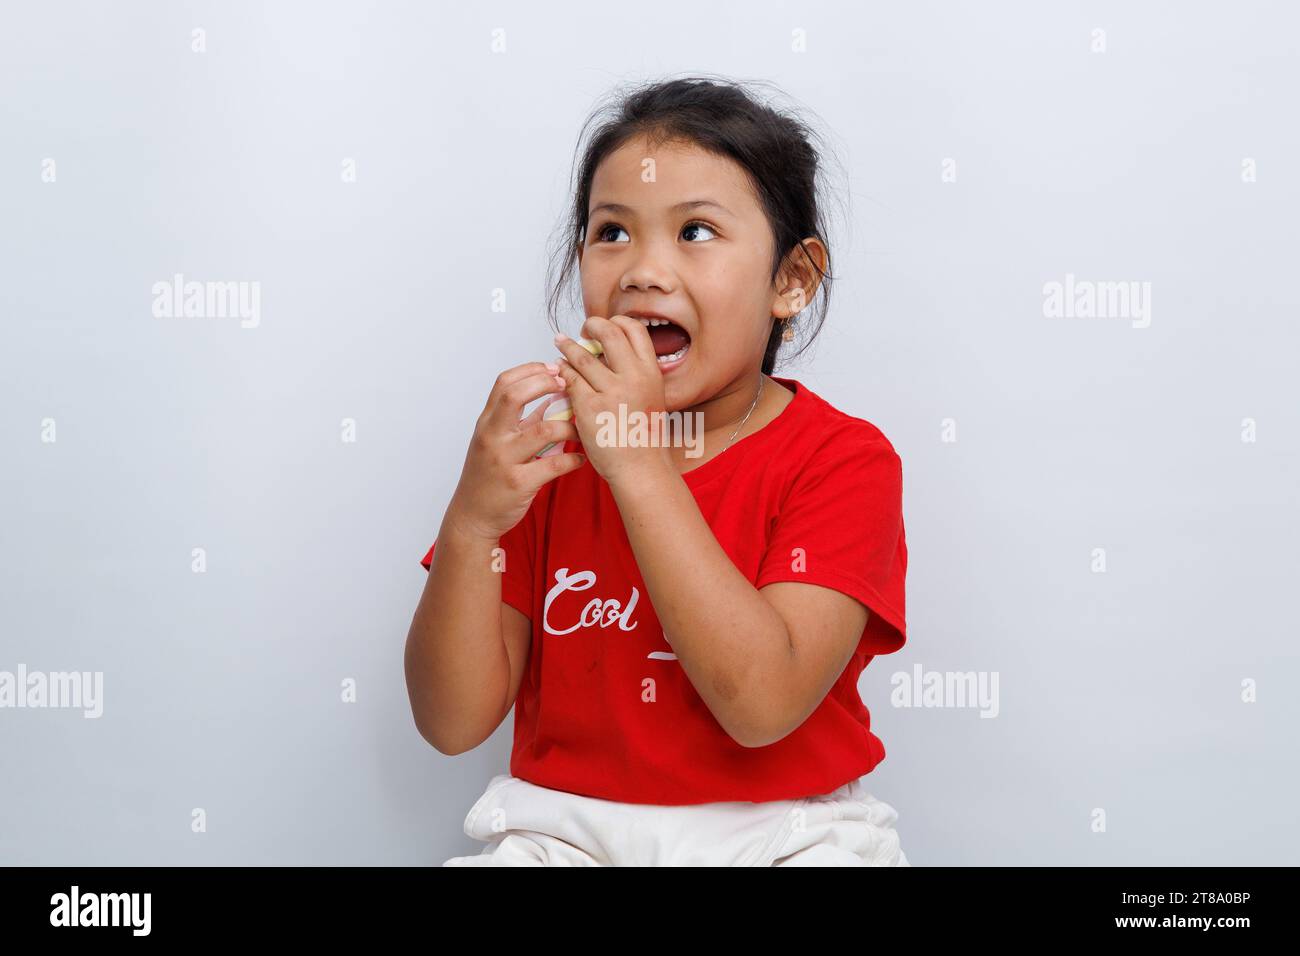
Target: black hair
777,149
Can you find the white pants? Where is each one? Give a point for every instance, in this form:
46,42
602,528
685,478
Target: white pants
524,824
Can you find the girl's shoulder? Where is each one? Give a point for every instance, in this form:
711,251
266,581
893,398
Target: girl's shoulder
820,430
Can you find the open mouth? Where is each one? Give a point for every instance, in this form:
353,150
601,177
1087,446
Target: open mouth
670,340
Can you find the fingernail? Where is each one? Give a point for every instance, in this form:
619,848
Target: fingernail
561,382
561,337
552,368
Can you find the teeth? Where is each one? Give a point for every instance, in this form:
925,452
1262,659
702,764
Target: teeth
654,321
668,359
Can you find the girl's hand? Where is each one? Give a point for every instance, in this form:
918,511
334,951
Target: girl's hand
629,377
500,476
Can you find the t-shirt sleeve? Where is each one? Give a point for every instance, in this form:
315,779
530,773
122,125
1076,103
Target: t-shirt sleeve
840,526
514,562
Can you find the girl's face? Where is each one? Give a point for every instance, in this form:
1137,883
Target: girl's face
678,231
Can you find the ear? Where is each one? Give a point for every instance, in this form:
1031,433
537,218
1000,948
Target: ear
797,281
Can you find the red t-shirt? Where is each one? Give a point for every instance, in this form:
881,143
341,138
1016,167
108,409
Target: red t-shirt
814,496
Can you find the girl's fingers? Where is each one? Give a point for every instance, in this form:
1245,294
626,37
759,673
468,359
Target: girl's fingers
547,469
586,365
508,398
638,337
539,413
511,375
576,385
613,339
536,437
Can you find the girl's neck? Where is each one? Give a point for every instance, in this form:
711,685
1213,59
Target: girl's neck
724,412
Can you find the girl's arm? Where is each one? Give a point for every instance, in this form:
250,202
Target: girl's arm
762,661
465,651
462,665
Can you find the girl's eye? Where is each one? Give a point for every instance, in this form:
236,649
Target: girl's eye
699,225
603,233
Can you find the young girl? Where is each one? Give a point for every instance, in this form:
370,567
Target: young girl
679,616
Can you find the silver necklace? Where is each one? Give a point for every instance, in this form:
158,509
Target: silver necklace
747,414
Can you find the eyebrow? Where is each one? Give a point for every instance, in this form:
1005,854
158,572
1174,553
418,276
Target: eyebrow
621,210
